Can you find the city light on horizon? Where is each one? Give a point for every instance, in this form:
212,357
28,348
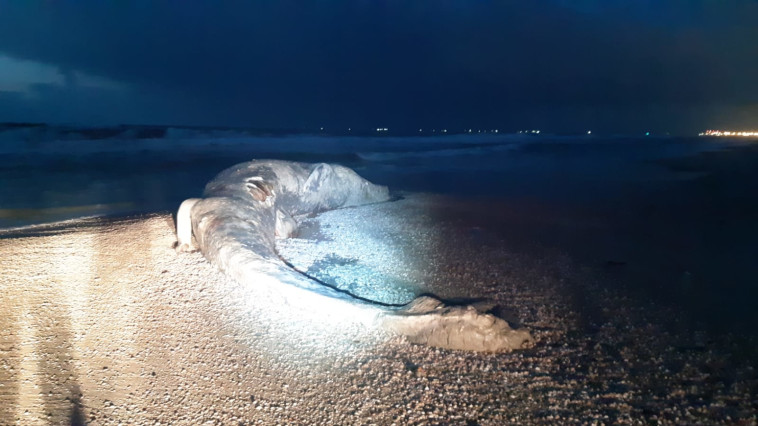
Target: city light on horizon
751,133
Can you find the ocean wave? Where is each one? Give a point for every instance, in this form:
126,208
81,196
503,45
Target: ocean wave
432,152
20,218
52,227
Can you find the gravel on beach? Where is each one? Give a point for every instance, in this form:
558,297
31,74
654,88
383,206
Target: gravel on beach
104,323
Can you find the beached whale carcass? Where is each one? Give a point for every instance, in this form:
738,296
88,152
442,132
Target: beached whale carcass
248,205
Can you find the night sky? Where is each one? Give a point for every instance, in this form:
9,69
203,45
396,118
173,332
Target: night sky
558,65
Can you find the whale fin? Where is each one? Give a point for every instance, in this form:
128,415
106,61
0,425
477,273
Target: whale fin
185,240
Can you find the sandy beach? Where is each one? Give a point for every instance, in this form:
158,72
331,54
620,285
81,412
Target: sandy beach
104,323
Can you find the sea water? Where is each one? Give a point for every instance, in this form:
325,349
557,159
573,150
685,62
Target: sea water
52,173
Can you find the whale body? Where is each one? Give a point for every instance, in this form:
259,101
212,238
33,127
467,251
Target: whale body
247,206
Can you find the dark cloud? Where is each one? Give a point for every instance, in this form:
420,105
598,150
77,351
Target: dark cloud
364,63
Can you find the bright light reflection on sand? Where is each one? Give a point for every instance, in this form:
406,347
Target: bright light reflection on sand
108,313
30,404
300,318
73,264
72,305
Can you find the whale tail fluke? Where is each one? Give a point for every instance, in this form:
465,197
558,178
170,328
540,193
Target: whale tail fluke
427,320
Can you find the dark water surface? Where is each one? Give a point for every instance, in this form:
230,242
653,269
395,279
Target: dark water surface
66,177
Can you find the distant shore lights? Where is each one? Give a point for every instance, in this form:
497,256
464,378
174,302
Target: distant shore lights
728,133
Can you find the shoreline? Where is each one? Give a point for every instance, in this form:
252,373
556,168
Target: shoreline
106,323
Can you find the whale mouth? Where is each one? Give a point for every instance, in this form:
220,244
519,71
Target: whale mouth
346,292
357,250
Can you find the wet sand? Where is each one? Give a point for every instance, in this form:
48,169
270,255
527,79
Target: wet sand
104,324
